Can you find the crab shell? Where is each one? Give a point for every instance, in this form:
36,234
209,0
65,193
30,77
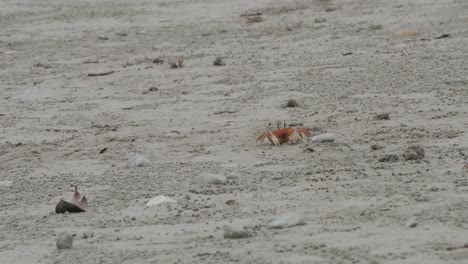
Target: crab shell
283,135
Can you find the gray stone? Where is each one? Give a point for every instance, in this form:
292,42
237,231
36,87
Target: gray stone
212,178
287,220
64,240
236,234
412,222
413,153
137,160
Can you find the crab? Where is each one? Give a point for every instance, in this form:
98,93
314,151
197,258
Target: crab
285,134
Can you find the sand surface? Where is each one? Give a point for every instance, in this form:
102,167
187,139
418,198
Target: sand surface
344,61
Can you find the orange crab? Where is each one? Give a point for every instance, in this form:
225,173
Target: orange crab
283,135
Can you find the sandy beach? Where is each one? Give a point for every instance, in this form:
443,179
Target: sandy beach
86,85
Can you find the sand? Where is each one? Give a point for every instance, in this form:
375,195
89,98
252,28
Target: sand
343,61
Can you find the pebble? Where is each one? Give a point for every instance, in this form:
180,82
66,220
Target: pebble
327,137
219,62
137,160
412,222
160,199
385,116
236,233
212,178
413,153
388,158
287,220
64,240
6,184
376,147
292,103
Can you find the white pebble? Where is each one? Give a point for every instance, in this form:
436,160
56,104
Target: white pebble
327,137
287,220
64,241
412,222
212,178
137,160
6,184
160,199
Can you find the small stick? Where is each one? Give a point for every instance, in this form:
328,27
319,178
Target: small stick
251,14
100,74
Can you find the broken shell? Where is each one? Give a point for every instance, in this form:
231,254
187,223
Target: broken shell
64,206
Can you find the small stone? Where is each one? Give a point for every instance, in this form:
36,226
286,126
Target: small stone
413,153
412,222
384,116
6,184
137,160
320,20
64,240
230,202
236,234
389,158
287,220
376,147
219,62
160,199
375,27
292,103
326,137
87,235
212,178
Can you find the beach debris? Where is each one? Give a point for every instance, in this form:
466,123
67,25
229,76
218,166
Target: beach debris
87,235
230,233
137,160
251,14
64,206
376,147
6,184
158,61
456,82
413,153
407,33
287,220
412,222
212,178
178,63
219,61
100,74
285,134
320,20
384,116
160,199
292,103
64,241
231,202
375,27
309,150
457,247
253,17
389,158
326,137
446,35
79,199
77,205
